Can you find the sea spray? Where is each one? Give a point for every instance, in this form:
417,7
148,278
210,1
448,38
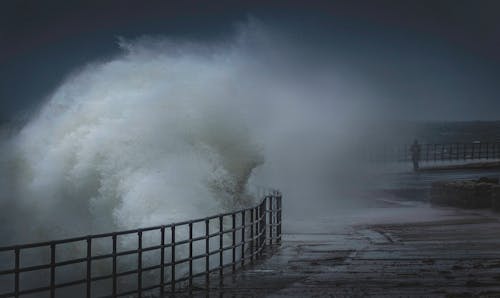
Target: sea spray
140,140
174,130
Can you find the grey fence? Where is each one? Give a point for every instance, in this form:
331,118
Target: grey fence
219,244
440,152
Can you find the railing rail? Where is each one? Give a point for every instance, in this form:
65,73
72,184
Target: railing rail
250,231
441,152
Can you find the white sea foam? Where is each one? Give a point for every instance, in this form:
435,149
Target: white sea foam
172,130
147,138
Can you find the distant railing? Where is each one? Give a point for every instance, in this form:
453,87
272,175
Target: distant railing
441,152
247,232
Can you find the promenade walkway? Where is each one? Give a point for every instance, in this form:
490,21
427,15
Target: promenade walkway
395,248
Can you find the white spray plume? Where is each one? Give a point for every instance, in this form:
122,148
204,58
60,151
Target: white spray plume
172,130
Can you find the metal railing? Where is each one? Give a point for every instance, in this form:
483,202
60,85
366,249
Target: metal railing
221,242
442,152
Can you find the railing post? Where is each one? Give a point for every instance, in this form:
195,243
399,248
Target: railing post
257,231
243,240
435,152
89,266
52,270
252,242
172,259
264,224
221,247
233,234
17,253
162,262
271,219
207,252
279,217
114,266
190,255
139,264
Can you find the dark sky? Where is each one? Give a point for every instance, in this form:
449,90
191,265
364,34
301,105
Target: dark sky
409,50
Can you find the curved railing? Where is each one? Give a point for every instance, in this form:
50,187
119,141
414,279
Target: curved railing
216,243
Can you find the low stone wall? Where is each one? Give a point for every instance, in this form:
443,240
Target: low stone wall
471,194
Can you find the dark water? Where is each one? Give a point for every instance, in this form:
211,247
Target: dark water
458,132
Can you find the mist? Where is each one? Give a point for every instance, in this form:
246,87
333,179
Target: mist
125,115
176,128
170,130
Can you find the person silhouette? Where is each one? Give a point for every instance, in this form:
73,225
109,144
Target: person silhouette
415,154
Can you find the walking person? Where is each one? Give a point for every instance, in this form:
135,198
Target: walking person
415,154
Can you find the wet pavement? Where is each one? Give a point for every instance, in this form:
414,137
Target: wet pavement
397,249
455,255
